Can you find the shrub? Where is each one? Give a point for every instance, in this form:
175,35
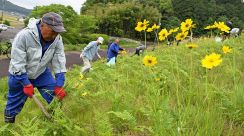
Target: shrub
86,38
74,47
6,22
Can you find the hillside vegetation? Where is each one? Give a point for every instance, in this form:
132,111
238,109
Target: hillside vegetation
13,20
118,17
10,7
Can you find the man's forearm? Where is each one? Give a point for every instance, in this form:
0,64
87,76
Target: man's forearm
98,56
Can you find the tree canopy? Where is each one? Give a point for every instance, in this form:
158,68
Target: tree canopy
120,17
70,19
117,16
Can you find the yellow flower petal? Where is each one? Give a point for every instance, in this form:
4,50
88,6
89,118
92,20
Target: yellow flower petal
149,60
192,45
226,49
212,60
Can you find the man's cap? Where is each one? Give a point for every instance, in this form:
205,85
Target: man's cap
100,40
55,21
229,24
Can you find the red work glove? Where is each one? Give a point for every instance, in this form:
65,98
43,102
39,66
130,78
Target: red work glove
59,92
29,90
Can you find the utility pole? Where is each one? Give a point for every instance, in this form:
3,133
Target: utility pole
3,4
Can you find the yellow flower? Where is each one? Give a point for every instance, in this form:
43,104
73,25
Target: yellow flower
163,34
81,76
187,25
192,45
157,79
226,49
181,36
210,27
212,60
84,94
176,29
224,28
149,29
221,26
75,85
216,24
149,60
145,22
173,30
123,52
142,26
155,26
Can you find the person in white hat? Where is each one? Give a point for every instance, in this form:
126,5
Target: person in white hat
89,53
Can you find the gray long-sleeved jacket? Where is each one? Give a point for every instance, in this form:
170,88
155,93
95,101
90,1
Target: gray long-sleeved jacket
91,50
26,54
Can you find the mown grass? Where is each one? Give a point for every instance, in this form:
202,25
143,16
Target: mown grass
176,97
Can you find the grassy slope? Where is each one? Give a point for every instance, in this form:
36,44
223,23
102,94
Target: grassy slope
127,100
13,20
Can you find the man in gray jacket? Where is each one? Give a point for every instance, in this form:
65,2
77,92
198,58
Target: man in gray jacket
32,50
89,53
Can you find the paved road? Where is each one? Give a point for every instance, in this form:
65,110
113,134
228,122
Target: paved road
71,59
8,34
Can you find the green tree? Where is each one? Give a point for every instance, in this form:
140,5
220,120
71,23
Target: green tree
6,22
184,9
88,24
70,19
120,19
203,13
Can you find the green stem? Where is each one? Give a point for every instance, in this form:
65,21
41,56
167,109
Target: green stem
177,87
206,85
191,35
167,40
206,81
145,39
234,68
191,72
177,81
157,37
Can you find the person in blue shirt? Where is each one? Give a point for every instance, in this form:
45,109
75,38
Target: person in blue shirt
113,50
33,48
